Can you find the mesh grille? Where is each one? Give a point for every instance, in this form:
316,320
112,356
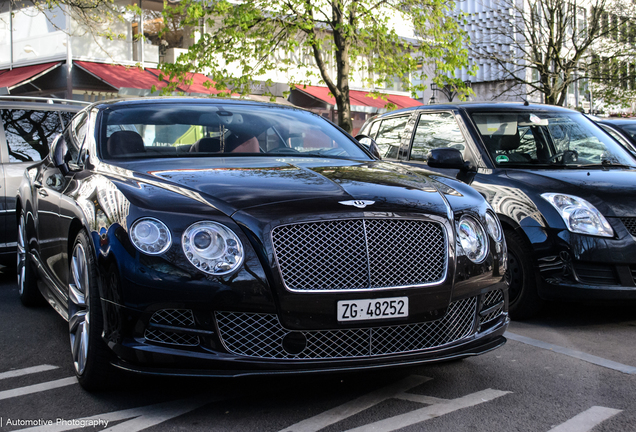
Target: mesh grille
490,299
261,335
171,338
174,317
630,224
360,254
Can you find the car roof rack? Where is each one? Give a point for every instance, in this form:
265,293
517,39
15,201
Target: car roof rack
42,99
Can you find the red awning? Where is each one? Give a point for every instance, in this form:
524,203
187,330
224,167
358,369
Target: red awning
21,75
360,98
197,85
119,76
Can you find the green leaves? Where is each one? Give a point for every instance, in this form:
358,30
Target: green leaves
365,43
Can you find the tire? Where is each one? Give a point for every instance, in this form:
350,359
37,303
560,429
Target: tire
27,276
91,357
523,298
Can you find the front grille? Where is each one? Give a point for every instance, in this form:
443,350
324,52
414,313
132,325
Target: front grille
173,317
261,335
360,254
176,318
630,224
596,274
171,338
491,299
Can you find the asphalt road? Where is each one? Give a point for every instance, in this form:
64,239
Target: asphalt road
573,369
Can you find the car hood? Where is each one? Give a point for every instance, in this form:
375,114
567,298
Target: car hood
258,182
612,191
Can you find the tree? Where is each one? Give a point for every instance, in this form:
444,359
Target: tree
546,46
331,39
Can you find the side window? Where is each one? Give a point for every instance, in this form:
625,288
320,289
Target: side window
374,129
436,130
389,136
75,136
30,132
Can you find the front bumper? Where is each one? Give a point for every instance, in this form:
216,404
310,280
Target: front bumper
239,343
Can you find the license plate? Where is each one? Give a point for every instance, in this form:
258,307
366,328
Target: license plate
357,310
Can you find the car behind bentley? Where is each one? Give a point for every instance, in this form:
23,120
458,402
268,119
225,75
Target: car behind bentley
209,238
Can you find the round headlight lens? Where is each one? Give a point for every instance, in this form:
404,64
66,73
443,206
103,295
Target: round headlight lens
472,238
150,236
493,226
212,248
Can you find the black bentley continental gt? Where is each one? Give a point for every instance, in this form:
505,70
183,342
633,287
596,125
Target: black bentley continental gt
222,238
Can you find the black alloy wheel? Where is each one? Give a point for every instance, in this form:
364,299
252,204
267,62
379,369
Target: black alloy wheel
523,299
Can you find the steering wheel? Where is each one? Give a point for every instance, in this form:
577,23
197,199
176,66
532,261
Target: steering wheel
564,157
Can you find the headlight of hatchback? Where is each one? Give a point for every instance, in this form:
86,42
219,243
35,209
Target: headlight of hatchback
579,215
150,236
212,248
473,239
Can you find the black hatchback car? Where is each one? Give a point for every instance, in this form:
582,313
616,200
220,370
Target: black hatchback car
28,126
564,190
221,237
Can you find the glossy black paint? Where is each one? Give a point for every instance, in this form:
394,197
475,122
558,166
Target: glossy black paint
250,195
514,193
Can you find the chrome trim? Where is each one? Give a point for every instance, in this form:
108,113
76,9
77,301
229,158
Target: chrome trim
443,223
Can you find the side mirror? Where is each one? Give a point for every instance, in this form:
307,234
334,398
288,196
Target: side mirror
447,158
58,152
370,144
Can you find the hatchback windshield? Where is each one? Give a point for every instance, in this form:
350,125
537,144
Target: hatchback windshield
209,130
547,139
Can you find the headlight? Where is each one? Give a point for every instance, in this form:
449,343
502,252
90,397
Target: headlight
493,226
150,236
579,215
472,238
212,248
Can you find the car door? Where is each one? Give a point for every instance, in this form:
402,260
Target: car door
50,183
28,132
389,133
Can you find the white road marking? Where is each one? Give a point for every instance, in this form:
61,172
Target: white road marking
587,420
429,412
423,399
599,361
27,371
353,407
36,388
140,418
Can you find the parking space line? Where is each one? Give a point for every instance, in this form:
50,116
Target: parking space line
360,404
587,420
423,399
599,361
36,388
429,412
26,371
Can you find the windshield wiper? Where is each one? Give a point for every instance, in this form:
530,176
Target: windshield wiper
605,164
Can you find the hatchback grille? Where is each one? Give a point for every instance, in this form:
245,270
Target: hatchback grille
359,254
630,224
261,335
596,274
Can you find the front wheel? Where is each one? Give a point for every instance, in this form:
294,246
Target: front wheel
523,298
91,357
27,277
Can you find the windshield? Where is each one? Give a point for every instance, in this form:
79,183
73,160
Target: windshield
548,139
212,130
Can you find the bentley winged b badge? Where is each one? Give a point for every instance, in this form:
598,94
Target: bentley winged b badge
357,203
